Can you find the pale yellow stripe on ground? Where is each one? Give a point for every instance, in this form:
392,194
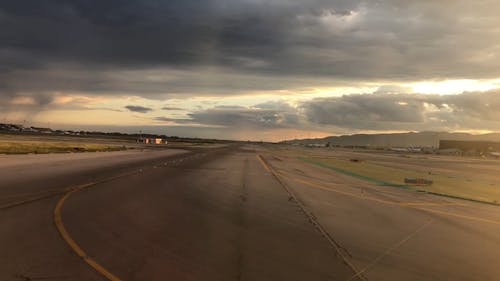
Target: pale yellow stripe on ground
333,188
413,205
263,163
72,244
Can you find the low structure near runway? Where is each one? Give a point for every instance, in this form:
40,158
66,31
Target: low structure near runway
470,147
152,140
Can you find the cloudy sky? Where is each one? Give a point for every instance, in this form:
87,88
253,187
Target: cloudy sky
251,69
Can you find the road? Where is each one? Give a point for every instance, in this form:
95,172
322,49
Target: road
232,213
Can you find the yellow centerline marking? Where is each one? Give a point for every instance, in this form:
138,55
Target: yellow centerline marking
263,163
72,244
58,217
67,237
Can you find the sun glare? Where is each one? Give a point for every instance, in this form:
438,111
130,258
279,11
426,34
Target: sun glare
449,87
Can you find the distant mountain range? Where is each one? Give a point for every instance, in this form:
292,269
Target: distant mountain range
412,139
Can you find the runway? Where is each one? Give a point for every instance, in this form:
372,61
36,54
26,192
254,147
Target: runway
240,212
204,215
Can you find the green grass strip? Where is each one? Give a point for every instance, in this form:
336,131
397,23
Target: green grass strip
352,174
384,183
494,202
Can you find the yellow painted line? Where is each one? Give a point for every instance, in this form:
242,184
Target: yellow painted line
42,195
429,204
458,215
69,240
263,163
407,205
315,185
25,201
390,249
30,193
47,193
338,249
67,237
385,191
333,189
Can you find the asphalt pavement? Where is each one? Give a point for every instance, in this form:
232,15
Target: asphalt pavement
213,214
392,233
229,213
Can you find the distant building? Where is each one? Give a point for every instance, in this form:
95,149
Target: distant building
317,145
470,147
159,141
152,140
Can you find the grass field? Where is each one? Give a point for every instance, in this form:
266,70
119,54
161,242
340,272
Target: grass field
462,183
38,144
24,147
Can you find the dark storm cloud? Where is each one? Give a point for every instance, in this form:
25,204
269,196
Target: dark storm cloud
138,108
59,45
467,111
169,108
175,120
363,110
28,104
263,116
358,112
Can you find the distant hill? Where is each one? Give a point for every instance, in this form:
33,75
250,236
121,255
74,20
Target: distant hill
412,139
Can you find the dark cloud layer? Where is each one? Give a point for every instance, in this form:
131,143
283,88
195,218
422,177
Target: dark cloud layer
138,108
262,116
170,108
177,49
467,111
62,45
375,112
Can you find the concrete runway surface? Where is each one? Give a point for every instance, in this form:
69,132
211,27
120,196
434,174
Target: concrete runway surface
233,213
396,234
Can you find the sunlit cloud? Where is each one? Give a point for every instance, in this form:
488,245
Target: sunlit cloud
20,100
448,87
